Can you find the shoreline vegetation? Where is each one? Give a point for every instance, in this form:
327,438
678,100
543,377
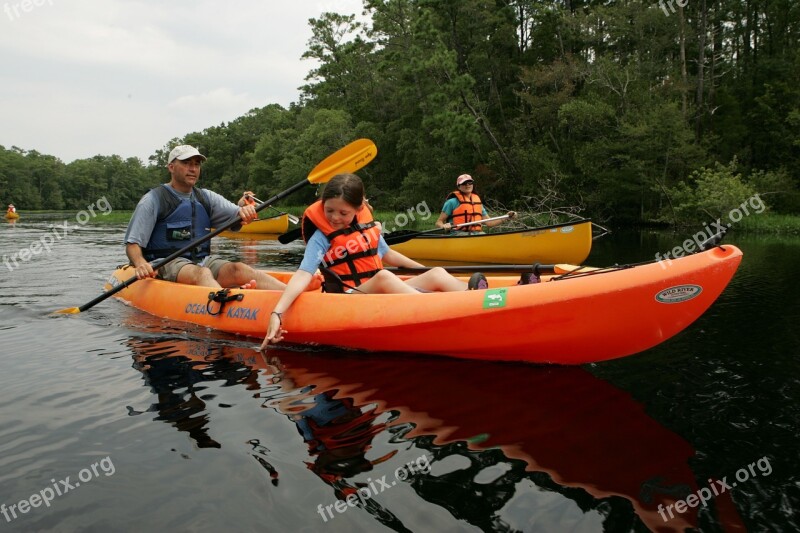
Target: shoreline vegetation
767,223
615,110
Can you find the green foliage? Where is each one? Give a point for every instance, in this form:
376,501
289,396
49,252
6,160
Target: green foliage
771,223
713,193
778,187
33,181
585,119
616,108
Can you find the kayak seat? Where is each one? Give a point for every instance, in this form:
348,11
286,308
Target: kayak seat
528,278
477,282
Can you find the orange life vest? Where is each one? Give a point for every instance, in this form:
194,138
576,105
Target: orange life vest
353,255
468,210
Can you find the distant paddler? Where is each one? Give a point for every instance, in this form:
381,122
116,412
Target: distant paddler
249,198
463,206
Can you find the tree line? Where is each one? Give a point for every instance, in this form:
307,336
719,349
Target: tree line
632,111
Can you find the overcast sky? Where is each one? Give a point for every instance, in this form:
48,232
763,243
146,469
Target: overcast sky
86,77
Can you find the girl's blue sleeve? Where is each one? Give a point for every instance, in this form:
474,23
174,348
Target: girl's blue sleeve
316,247
382,247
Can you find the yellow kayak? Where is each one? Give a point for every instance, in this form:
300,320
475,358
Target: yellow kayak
560,243
276,224
12,216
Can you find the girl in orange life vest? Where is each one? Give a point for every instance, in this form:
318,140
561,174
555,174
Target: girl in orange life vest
463,205
345,240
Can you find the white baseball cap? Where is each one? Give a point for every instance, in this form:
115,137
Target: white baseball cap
462,178
184,152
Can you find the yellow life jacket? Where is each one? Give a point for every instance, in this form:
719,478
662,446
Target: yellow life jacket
353,254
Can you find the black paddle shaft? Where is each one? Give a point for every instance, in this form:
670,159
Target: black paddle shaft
291,235
536,268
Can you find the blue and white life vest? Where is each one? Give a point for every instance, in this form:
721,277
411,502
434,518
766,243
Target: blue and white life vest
180,221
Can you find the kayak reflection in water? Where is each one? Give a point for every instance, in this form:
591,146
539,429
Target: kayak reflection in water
173,370
508,444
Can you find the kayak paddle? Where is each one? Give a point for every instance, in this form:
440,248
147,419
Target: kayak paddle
291,235
536,268
348,159
494,269
395,237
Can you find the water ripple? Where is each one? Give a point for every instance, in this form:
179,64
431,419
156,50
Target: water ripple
187,414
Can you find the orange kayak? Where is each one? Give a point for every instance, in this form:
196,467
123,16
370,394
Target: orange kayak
583,317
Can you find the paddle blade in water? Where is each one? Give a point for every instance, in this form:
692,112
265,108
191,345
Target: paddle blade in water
349,159
67,311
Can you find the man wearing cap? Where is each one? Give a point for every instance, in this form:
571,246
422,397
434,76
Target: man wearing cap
174,214
463,205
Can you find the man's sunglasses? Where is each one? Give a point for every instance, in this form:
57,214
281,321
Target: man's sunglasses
467,183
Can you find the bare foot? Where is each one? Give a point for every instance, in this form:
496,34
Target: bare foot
250,285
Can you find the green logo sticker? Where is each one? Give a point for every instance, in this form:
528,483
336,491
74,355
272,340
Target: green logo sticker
494,298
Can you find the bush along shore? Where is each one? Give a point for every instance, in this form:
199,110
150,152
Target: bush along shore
765,222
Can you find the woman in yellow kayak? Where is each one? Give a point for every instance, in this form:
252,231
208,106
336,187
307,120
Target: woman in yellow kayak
463,205
344,242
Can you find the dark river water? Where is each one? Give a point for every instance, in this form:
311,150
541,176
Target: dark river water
112,420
